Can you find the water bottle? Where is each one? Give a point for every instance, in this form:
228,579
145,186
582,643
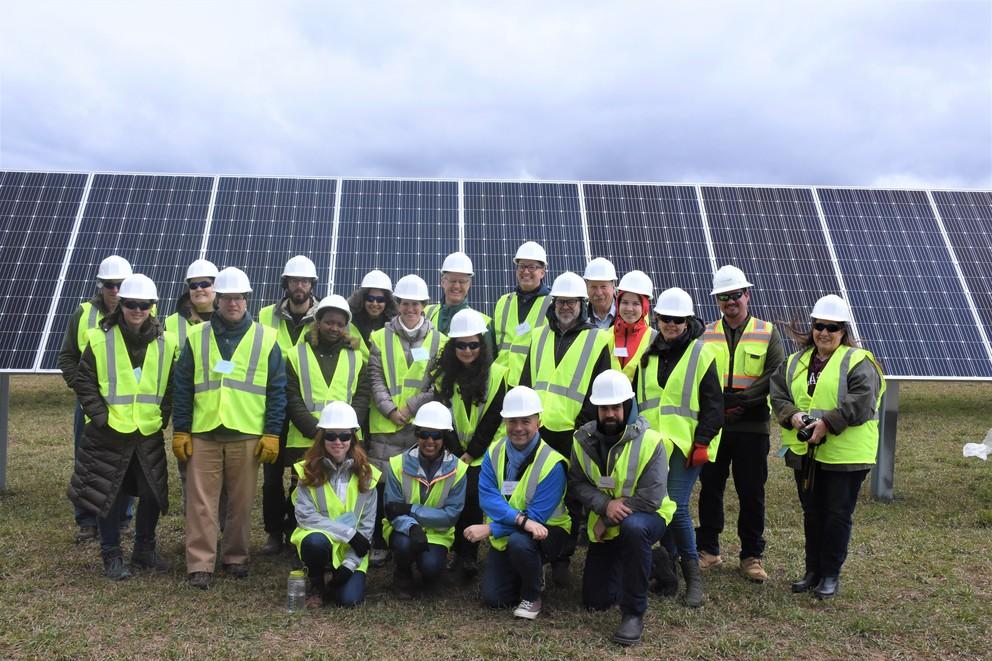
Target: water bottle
296,591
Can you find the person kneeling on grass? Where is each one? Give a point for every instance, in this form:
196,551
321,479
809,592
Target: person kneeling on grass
522,492
425,494
335,503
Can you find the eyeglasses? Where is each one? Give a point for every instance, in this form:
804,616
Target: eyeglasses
566,302
344,436
665,319
830,328
730,296
467,346
200,284
111,285
425,434
369,298
137,305
530,268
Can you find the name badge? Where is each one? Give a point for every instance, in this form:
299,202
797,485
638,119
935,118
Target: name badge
523,328
224,367
419,353
508,488
620,351
607,482
137,374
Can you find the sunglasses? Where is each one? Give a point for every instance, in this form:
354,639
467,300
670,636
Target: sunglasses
730,296
467,346
375,299
424,434
530,268
665,319
111,285
344,436
830,328
202,284
137,305
566,302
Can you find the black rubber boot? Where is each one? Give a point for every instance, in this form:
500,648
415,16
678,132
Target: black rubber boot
827,587
806,583
146,557
693,582
629,631
113,565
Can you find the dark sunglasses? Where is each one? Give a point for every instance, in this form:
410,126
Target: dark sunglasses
664,318
830,328
111,285
467,346
137,305
344,436
730,296
433,435
375,299
202,284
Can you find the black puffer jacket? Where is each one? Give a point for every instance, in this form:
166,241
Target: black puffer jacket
104,454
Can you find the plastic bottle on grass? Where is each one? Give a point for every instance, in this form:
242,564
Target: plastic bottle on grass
296,591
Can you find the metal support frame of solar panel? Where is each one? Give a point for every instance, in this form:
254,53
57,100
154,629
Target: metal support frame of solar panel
900,278
156,222
37,214
657,229
260,222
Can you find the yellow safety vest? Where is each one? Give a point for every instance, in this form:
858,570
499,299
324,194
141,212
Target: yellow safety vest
630,369
330,506
513,335
267,317
674,410
621,480
235,400
134,399
563,387
545,460
315,392
88,320
858,444
749,354
466,422
403,379
437,496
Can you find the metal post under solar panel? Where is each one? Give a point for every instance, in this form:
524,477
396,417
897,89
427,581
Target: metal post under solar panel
883,474
4,411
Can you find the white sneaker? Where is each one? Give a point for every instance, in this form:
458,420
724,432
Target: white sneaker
528,610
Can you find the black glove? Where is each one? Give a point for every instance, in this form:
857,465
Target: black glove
360,544
341,576
418,539
731,399
394,510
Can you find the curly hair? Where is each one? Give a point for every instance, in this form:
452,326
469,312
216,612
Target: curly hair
357,304
314,474
447,371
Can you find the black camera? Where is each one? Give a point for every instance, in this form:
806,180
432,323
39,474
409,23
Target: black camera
806,432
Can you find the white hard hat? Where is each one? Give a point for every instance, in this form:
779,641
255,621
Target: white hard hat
611,387
232,280
201,268
376,279
114,267
729,278
521,402
138,287
466,323
333,302
569,285
600,269
457,262
533,251
830,308
300,267
338,415
433,415
674,302
411,288
637,282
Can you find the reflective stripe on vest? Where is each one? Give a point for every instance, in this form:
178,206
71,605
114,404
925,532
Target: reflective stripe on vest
267,317
92,315
572,390
248,385
436,498
317,394
415,375
520,346
645,404
753,342
306,384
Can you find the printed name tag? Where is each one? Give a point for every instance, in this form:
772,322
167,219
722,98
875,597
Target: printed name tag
523,328
606,482
137,374
508,488
781,451
419,353
620,351
224,367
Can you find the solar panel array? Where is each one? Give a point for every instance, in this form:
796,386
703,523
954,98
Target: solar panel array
915,265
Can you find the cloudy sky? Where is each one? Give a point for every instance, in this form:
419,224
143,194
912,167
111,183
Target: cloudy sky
867,92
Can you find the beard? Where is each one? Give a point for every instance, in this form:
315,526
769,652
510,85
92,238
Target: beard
610,426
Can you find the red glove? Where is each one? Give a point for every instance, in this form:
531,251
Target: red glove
698,456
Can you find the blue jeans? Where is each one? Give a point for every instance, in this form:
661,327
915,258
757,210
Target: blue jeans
86,519
680,538
515,573
618,570
430,562
315,551
148,512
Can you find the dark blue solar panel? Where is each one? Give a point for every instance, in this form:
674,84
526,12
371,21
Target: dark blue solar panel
967,218
774,235
906,297
260,222
37,211
155,222
656,229
399,227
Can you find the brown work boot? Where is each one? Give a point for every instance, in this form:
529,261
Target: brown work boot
708,560
752,570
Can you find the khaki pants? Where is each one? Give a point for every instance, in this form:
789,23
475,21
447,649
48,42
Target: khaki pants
230,464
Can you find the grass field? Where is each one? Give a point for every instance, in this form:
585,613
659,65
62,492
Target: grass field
917,583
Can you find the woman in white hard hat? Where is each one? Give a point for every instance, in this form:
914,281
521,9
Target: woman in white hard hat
466,379
335,507
372,304
827,397
425,493
631,333
123,384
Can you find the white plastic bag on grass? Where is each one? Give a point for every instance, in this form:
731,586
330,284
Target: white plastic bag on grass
980,450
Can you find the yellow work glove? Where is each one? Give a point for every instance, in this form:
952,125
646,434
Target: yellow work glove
182,445
267,449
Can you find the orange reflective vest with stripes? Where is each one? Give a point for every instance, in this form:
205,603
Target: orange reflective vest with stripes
749,355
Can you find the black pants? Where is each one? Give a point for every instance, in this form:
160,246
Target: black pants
278,512
745,454
471,515
561,442
146,518
828,516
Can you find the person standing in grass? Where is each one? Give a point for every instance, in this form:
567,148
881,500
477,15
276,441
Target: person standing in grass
123,385
831,390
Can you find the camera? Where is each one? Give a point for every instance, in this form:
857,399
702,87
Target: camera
806,432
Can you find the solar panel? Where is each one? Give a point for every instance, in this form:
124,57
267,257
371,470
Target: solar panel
907,300
37,212
155,222
775,236
656,229
260,222
400,227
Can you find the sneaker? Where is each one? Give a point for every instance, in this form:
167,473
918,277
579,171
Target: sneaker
272,545
752,570
199,579
378,557
86,534
528,610
708,560
236,570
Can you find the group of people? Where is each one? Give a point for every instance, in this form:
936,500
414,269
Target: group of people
588,409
